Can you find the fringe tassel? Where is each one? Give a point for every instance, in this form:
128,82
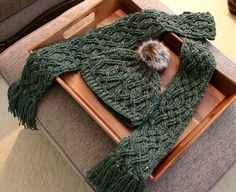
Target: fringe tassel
22,107
108,176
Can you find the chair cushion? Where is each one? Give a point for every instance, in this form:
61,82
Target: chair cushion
78,135
27,11
9,7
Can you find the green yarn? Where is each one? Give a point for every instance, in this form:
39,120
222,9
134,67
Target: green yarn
124,82
111,176
128,87
150,143
143,150
47,63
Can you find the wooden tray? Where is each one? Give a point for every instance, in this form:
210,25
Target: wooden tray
96,13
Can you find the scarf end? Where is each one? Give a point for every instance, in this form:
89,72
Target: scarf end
109,176
22,107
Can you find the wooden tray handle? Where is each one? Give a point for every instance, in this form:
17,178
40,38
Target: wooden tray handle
81,27
81,11
80,19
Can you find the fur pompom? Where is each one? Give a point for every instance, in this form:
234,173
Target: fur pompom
155,54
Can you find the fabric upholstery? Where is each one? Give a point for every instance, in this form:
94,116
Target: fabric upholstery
9,7
82,138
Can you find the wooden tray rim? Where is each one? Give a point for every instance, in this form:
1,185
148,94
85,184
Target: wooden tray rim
186,142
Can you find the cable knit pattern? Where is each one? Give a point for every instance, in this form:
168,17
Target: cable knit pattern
138,154
129,32
123,82
147,145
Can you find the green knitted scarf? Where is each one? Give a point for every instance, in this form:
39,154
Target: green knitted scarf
127,87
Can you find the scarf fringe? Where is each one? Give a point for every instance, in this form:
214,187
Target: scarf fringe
22,107
109,176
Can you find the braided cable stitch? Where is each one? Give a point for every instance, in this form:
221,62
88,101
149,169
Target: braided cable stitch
147,145
125,84
45,64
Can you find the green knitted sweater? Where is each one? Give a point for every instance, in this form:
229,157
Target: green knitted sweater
124,83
